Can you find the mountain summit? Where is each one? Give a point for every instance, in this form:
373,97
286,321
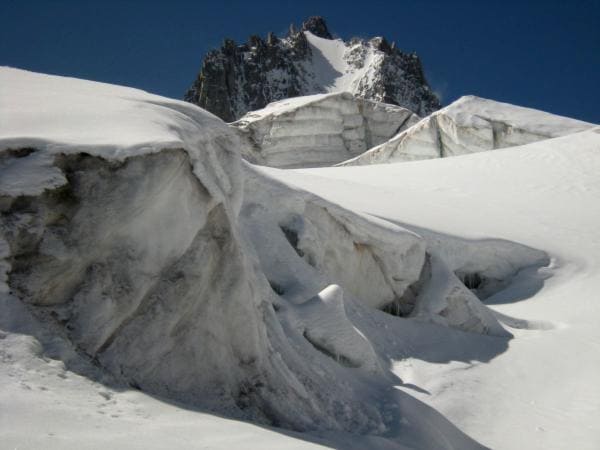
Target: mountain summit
236,78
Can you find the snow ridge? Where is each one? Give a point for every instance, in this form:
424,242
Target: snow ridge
470,125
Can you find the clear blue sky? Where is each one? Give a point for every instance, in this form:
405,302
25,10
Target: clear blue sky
542,54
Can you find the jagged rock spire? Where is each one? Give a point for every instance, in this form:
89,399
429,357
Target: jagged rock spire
317,26
236,78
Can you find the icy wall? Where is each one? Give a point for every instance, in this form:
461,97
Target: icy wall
318,130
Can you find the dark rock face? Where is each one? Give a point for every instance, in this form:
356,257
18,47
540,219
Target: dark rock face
236,79
317,26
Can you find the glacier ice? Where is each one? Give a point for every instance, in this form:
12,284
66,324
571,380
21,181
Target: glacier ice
132,230
470,125
318,130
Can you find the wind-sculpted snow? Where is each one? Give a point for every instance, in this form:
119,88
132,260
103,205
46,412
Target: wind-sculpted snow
318,130
125,242
305,243
470,125
133,234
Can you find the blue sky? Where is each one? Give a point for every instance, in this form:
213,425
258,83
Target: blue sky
542,54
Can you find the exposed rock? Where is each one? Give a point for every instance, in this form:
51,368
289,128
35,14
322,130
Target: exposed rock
236,79
317,26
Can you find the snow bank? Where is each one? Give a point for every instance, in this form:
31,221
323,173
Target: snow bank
111,200
126,244
318,130
128,236
120,232
470,125
305,244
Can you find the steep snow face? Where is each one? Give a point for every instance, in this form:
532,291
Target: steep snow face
105,245
240,78
127,245
137,256
307,243
318,130
470,125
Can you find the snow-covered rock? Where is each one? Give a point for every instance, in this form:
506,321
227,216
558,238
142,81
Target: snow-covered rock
470,125
318,130
239,78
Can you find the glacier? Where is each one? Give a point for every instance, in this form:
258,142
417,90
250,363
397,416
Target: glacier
318,130
149,272
469,125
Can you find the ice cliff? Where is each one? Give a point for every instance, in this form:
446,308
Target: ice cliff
133,232
318,130
470,125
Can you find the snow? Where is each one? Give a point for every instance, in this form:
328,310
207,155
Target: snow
132,262
318,130
337,66
331,69
470,124
36,112
541,391
156,290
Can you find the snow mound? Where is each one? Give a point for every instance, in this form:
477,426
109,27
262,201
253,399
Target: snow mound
145,190
445,299
318,130
470,125
330,331
305,244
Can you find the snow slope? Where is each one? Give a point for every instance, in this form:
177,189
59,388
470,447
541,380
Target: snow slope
542,391
469,125
134,258
152,282
318,130
332,70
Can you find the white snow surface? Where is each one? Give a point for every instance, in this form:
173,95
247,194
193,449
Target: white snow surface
318,130
151,279
541,391
331,62
471,124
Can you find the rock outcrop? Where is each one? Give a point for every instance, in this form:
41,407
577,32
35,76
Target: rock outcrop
236,78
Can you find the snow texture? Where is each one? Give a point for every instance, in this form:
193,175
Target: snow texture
318,130
137,252
470,125
337,307
236,79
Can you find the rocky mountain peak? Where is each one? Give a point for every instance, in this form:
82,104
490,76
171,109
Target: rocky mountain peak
238,78
317,26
